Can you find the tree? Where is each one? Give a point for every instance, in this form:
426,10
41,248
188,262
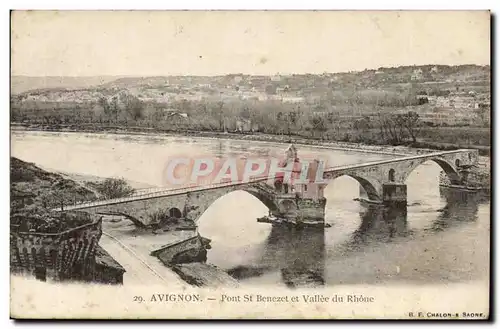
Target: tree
245,112
283,122
412,124
362,124
292,116
394,129
114,188
390,128
291,121
271,89
103,102
56,198
482,113
114,108
220,110
134,107
318,124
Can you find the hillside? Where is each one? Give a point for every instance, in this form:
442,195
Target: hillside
352,106
35,191
20,84
288,88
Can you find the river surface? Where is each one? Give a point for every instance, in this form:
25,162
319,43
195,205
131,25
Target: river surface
442,237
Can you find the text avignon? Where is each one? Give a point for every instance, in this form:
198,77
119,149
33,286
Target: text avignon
175,298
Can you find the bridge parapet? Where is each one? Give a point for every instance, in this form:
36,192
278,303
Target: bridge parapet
158,192
189,203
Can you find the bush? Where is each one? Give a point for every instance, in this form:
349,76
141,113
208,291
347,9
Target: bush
114,188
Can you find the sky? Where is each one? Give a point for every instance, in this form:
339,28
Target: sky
153,43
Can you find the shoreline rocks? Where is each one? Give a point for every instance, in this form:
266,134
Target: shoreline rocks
204,275
477,178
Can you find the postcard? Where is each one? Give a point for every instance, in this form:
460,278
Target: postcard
250,165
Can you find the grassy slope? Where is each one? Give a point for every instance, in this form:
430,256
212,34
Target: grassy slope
42,191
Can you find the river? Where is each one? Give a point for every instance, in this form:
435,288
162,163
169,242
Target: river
442,237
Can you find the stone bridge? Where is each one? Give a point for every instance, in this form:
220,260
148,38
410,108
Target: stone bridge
188,203
383,181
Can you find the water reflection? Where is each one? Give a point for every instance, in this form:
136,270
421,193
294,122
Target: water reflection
299,255
461,207
379,223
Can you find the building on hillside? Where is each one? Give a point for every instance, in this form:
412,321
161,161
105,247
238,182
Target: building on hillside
439,101
417,74
246,125
461,102
281,90
178,115
292,99
173,114
243,125
276,78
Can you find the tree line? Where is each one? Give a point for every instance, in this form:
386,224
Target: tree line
273,117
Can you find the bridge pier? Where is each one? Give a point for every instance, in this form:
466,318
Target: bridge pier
301,211
365,199
394,195
312,211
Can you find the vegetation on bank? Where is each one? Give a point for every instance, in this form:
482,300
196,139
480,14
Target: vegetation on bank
33,186
383,127
35,193
41,220
112,188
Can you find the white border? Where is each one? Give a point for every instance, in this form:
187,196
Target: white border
259,5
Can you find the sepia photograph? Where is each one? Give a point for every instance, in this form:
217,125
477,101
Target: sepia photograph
219,164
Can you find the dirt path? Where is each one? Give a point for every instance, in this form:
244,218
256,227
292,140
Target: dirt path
140,269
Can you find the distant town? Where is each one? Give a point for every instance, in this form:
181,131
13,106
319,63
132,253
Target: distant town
365,106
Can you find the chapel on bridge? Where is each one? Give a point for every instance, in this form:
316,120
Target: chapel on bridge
309,189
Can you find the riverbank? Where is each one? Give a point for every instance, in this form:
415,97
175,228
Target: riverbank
87,180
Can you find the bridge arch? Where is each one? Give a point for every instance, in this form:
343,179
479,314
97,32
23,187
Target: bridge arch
288,205
175,212
266,199
446,166
392,174
369,187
